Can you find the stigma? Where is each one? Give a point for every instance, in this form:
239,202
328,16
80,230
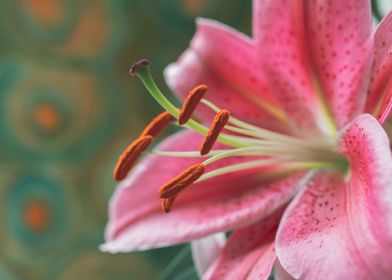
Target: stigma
270,148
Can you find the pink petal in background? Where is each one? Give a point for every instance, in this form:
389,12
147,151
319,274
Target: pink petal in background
249,252
227,62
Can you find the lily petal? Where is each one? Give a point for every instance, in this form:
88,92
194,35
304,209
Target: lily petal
339,224
206,250
226,61
317,59
249,252
380,93
136,221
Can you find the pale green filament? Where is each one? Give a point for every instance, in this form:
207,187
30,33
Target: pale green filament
261,151
275,150
240,167
305,158
288,165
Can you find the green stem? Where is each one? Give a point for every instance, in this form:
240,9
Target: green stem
376,10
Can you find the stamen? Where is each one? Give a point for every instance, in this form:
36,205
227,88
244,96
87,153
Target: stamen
216,127
130,156
158,124
190,103
182,181
167,203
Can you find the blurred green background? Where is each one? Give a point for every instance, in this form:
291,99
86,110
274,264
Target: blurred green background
67,109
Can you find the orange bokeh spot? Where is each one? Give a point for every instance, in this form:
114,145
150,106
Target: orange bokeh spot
47,11
194,7
47,117
36,216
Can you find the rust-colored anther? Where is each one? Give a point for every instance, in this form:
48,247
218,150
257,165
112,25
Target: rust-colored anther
130,156
191,102
179,183
158,124
216,127
167,203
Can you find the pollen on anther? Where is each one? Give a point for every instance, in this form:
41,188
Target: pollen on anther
191,102
130,156
167,204
158,124
217,125
180,182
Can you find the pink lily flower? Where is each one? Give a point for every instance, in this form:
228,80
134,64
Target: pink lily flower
302,172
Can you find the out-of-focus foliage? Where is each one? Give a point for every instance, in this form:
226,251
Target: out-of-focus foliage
68,108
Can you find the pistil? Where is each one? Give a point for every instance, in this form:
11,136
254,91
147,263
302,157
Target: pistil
141,70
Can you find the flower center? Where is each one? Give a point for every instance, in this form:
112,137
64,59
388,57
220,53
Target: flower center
242,139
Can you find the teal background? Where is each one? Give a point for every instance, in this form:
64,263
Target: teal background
67,109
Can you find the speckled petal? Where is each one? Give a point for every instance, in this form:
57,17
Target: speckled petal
339,37
339,228
226,61
318,56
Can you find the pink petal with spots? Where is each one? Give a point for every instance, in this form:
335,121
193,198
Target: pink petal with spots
249,252
136,221
317,59
380,93
339,228
339,38
206,250
226,62
279,32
